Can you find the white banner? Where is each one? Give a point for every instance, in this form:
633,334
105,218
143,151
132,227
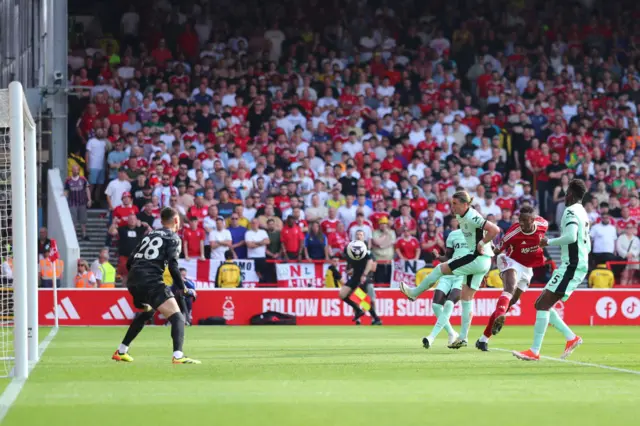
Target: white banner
305,274
405,271
203,272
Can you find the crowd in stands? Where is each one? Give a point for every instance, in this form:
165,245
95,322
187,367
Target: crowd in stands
279,129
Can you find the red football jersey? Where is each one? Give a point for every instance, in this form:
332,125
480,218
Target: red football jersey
329,226
121,214
525,248
402,222
409,248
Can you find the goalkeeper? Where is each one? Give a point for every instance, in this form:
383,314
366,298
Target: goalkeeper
190,294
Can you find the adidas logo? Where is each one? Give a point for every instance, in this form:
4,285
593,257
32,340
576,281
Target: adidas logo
65,310
524,243
119,311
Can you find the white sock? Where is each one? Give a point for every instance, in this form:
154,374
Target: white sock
123,349
178,354
484,339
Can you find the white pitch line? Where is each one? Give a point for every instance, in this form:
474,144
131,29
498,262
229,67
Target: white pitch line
14,388
584,364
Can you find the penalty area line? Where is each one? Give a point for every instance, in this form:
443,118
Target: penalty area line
14,388
584,364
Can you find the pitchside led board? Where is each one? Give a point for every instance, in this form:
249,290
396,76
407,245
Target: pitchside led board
84,307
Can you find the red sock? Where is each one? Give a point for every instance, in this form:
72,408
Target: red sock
501,309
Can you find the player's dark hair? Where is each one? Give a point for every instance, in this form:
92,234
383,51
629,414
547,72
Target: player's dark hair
526,210
167,215
578,188
228,255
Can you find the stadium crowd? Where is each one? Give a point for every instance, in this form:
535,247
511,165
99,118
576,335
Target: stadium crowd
279,129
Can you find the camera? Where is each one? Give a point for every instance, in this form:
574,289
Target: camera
58,78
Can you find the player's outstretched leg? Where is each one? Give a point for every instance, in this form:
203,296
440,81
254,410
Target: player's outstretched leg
426,283
122,353
573,341
171,311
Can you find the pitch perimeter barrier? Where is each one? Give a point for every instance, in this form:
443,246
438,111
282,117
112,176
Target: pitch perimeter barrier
98,307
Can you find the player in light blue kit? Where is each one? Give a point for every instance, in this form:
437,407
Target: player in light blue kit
575,246
478,233
447,292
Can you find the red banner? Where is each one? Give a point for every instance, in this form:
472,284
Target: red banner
322,306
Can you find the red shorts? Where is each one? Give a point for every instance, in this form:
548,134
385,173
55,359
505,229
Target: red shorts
122,266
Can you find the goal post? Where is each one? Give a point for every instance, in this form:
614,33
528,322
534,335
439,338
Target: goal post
18,237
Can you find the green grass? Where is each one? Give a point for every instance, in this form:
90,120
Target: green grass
306,376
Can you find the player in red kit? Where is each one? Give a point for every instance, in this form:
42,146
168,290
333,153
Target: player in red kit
520,251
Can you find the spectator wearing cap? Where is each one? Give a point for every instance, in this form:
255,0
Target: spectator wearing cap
220,240
199,210
116,159
382,248
129,236
124,210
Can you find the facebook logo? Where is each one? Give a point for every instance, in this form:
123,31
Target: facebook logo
606,307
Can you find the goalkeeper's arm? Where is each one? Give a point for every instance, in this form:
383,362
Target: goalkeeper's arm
174,270
569,236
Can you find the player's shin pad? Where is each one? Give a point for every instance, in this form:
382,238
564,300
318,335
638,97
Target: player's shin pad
136,327
177,330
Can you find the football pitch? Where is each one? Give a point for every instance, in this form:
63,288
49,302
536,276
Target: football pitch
326,376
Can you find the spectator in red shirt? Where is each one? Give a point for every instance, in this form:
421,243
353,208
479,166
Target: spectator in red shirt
506,200
392,164
292,237
122,212
405,221
337,239
199,210
161,54
418,204
193,240
408,247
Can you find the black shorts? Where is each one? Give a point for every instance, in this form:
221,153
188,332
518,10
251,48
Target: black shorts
153,293
354,282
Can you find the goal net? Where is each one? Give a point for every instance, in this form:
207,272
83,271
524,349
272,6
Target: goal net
18,230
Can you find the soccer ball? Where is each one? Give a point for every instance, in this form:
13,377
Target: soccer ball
357,249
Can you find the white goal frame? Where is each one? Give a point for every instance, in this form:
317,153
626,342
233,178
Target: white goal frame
24,205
